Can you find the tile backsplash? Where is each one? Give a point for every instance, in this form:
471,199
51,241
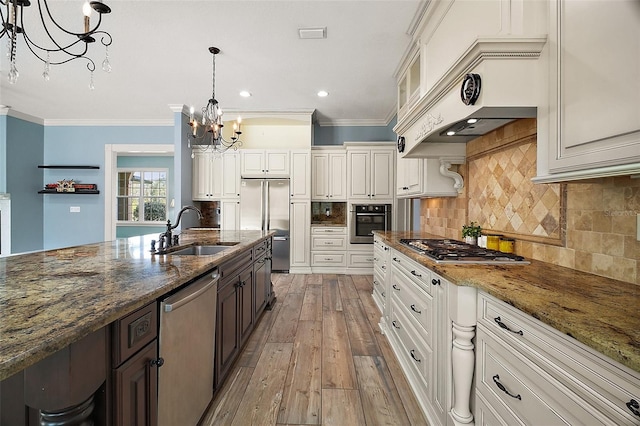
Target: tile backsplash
588,225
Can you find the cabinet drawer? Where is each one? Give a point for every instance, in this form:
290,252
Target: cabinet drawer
416,273
512,385
328,242
415,303
328,230
132,332
415,350
360,260
328,259
231,268
599,380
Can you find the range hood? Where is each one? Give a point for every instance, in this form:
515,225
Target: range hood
495,81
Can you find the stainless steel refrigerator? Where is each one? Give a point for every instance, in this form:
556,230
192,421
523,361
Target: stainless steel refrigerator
264,205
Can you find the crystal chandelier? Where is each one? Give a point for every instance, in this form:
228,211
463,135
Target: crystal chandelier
60,45
206,134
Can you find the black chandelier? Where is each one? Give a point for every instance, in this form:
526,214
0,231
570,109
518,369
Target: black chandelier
206,134
60,45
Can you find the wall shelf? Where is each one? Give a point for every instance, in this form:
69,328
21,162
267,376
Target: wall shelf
77,192
67,167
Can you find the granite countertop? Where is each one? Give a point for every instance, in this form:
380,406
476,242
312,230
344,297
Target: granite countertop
601,313
50,299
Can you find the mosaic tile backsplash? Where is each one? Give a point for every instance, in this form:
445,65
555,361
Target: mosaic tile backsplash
587,225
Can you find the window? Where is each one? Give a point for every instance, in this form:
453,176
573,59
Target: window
142,195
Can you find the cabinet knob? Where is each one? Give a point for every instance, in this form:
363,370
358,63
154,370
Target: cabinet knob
157,362
435,281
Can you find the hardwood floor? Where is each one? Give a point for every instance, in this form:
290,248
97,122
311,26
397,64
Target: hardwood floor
317,358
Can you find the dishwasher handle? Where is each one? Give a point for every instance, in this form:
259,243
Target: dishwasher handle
190,293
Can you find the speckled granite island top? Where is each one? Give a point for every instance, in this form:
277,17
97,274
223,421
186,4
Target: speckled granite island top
601,313
52,298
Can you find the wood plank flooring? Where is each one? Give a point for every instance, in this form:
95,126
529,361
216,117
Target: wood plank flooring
317,358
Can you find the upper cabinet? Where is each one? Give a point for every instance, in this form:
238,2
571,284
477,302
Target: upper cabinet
260,163
409,85
329,175
422,177
215,176
370,173
300,184
589,123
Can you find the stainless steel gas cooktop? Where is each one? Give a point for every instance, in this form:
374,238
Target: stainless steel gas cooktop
453,251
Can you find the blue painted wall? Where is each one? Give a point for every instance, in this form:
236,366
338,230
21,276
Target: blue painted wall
337,135
165,162
24,152
85,145
3,153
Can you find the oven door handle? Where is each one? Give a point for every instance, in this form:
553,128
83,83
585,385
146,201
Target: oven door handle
369,214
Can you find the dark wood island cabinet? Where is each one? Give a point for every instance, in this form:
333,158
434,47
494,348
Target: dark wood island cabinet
110,376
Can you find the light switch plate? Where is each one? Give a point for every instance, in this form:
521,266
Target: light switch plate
74,209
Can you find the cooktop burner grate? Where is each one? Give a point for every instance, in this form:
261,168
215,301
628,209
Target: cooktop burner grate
453,251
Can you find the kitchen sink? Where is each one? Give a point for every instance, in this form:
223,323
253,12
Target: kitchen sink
199,250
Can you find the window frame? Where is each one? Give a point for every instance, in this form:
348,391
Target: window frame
142,196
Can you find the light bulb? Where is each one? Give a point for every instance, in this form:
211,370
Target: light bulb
86,9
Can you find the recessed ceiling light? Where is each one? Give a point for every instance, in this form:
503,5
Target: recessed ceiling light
472,120
451,133
323,93
245,94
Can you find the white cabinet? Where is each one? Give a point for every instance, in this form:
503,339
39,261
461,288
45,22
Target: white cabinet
230,214
329,175
370,174
300,236
215,176
230,175
590,124
328,247
265,163
528,372
300,183
380,265
421,177
409,176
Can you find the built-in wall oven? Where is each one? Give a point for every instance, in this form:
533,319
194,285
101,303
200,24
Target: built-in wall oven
366,218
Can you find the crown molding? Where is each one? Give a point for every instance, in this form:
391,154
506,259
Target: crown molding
6,110
110,122
354,122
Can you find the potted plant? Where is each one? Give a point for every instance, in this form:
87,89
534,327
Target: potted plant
471,232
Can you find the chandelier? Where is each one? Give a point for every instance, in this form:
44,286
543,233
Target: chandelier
206,133
60,45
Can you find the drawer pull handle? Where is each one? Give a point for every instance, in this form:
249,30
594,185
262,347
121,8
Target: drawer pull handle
395,287
416,274
157,362
503,325
503,389
413,308
413,356
395,259
634,407
398,327
383,267
383,294
435,281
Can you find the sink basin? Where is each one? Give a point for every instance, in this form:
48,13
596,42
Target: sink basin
199,250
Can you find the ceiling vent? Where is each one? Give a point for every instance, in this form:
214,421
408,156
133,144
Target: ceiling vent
309,33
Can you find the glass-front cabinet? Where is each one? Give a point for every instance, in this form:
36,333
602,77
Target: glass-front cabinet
409,85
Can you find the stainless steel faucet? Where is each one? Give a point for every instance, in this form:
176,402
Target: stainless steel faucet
166,239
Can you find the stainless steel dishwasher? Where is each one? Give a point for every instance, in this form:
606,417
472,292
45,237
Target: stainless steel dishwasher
187,341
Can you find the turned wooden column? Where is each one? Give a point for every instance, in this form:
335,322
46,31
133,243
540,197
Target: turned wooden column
462,310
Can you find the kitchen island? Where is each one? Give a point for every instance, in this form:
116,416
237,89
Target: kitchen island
532,343
53,299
